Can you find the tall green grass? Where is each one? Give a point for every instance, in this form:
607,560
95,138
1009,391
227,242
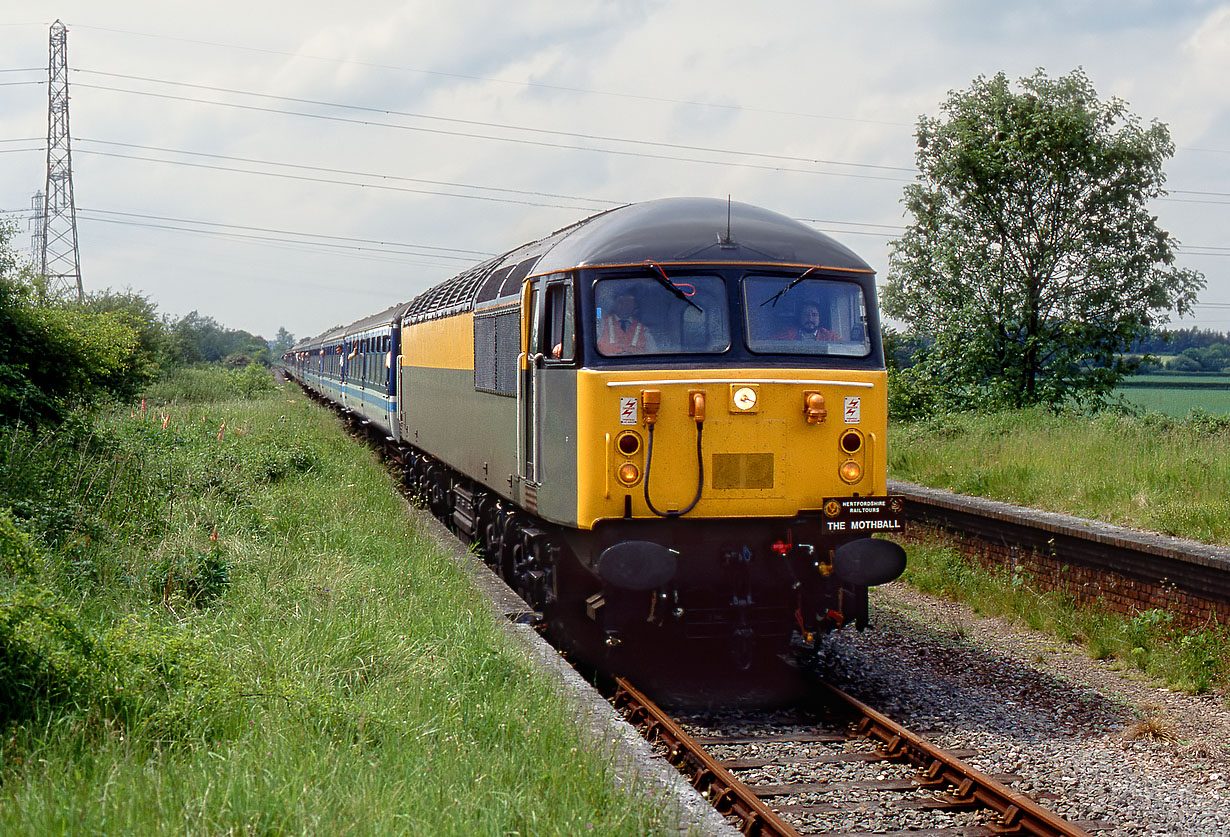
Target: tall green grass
217,618
205,383
1148,471
1195,661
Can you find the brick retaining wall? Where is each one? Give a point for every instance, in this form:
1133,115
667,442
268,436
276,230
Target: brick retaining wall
1086,559
1088,585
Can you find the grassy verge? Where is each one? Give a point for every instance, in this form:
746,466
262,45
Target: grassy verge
216,618
1193,661
1151,471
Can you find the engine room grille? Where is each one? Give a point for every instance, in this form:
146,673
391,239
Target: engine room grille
497,345
742,470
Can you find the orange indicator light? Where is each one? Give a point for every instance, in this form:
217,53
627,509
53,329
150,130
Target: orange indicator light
850,471
628,473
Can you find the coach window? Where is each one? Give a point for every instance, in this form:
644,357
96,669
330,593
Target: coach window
561,332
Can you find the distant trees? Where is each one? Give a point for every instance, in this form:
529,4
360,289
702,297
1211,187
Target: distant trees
1211,358
283,341
56,355
1032,263
201,339
1173,341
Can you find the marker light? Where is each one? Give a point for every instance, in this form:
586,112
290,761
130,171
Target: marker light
628,443
851,441
628,473
850,471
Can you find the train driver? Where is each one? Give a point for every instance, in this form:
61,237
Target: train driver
809,326
619,330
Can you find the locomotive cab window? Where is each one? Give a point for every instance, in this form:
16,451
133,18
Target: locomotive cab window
561,331
805,316
662,313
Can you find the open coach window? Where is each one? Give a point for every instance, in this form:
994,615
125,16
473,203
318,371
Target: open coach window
661,313
805,316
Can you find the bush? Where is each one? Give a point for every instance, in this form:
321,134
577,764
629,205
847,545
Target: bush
205,384
254,379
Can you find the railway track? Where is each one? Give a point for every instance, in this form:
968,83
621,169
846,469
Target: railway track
836,767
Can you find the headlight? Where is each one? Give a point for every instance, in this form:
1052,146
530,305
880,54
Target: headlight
628,473
850,471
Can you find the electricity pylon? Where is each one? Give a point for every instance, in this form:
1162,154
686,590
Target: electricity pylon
60,261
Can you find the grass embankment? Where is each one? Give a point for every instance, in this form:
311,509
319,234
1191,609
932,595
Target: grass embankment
1151,472
1195,661
217,618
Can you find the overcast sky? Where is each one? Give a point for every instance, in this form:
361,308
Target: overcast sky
303,169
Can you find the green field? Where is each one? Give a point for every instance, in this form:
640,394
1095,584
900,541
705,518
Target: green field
1193,379
1169,475
1177,402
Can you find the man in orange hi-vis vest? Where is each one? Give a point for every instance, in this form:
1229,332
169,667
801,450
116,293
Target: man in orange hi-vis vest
620,332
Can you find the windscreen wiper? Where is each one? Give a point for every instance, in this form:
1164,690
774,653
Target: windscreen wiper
659,274
773,299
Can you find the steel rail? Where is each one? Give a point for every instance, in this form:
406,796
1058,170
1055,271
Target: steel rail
723,791
1019,815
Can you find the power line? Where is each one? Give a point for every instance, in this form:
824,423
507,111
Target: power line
445,252
353,251
515,140
529,84
500,125
1195,192
351,173
305,178
540,143
897,229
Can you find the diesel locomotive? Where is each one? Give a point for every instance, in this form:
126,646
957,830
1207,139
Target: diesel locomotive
663,425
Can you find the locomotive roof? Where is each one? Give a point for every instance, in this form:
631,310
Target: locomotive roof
667,230
695,229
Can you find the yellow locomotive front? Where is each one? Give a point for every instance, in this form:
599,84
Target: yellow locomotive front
730,452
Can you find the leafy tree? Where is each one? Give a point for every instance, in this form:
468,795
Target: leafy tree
1032,263
155,347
